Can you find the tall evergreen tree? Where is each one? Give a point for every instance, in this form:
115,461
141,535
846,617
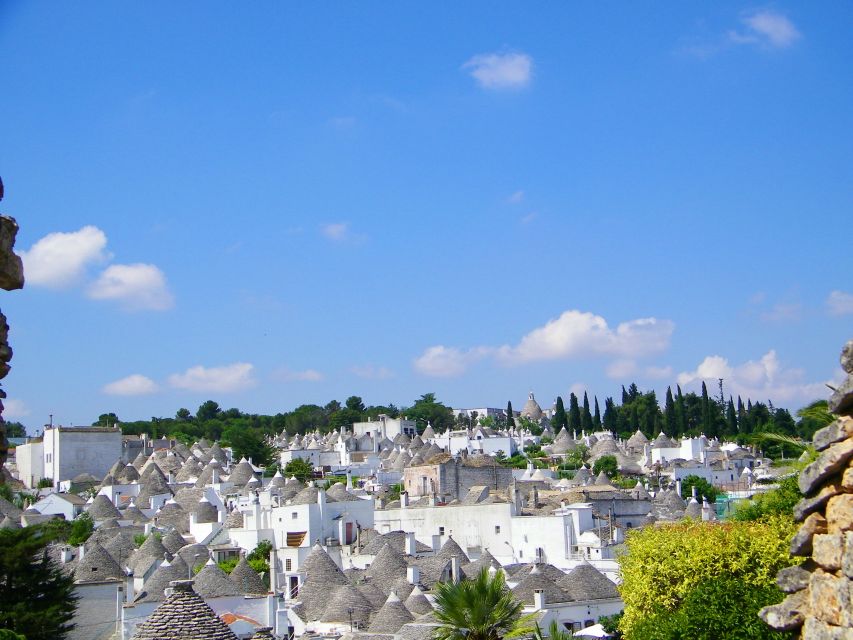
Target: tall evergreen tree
707,428
670,419
36,597
731,419
586,416
610,420
596,418
574,413
510,416
680,413
560,419
625,398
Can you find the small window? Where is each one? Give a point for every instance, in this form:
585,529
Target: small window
441,531
288,564
497,529
294,515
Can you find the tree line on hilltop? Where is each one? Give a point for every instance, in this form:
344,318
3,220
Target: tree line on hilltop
682,414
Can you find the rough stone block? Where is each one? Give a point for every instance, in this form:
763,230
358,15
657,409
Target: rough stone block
839,513
816,630
830,599
788,614
847,479
839,430
847,558
793,579
847,357
801,543
841,400
808,505
828,463
827,550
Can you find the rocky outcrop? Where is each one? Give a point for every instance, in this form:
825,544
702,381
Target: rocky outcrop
11,278
820,591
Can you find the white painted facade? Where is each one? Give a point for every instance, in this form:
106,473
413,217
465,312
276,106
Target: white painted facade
70,451
386,427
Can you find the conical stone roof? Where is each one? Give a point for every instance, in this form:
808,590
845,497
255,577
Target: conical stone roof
388,565
391,616
348,603
97,566
536,580
183,615
213,582
241,474
154,588
247,579
102,508
321,575
585,582
173,541
151,548
450,548
417,602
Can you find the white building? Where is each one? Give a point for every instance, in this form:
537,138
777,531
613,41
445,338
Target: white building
386,427
65,452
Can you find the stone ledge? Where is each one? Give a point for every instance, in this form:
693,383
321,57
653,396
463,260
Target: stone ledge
788,614
828,463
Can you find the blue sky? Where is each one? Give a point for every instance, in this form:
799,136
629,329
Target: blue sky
282,203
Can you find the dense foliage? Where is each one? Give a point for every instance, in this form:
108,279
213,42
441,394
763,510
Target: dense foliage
674,569
776,501
608,464
703,489
36,597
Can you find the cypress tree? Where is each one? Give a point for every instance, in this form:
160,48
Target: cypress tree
670,419
596,418
586,416
574,413
624,395
560,420
610,419
510,416
680,413
731,419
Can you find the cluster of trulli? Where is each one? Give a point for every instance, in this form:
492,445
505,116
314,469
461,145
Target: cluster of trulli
820,600
168,553
395,589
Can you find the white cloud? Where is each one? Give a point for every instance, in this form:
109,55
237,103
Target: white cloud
840,303
578,333
762,379
516,197
14,409
574,334
578,388
783,312
530,217
308,375
500,70
370,372
60,259
132,385
658,373
447,362
136,286
341,232
225,379
620,369
767,28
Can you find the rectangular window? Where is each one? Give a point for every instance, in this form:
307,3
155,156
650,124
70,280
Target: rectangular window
288,564
497,528
441,531
294,515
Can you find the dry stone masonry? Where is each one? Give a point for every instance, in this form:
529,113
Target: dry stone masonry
11,278
820,591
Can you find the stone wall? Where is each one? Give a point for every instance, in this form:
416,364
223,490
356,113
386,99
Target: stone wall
820,600
11,278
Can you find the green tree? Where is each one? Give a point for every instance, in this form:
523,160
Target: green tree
107,420
777,501
574,413
608,464
596,418
479,609
560,420
250,444
427,409
300,469
208,410
16,430
183,415
81,528
510,415
259,558
663,566
586,416
669,414
703,488
36,598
